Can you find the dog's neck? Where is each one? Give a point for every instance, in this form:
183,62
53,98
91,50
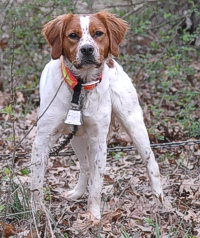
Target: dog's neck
87,73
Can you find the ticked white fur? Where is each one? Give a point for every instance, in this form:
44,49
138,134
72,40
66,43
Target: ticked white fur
86,37
115,94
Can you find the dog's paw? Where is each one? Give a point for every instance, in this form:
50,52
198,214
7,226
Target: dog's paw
72,195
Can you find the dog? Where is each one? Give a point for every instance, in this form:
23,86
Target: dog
83,85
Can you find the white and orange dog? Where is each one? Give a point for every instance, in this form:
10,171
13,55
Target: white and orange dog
83,85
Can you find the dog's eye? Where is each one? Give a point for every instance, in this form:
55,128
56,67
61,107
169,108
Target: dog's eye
73,36
98,33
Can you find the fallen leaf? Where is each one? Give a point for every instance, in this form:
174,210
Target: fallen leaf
9,230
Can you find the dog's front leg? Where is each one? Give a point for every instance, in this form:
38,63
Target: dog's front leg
97,160
39,162
126,107
44,141
80,146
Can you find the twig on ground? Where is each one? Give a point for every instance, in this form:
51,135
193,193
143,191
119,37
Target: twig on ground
34,220
65,210
104,202
48,217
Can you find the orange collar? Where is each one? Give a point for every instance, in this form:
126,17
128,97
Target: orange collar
72,81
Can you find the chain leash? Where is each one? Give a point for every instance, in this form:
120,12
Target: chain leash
56,151
156,146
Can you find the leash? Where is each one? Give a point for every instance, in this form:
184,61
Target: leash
133,148
55,151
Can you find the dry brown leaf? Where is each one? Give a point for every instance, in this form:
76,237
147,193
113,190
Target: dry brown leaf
32,234
9,230
192,216
4,99
108,217
188,184
143,228
20,97
85,222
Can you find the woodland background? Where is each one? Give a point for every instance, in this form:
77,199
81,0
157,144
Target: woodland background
161,54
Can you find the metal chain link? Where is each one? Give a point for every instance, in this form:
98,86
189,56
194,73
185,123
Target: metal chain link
55,151
156,146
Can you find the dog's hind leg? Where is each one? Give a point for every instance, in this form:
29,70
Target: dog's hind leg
126,107
80,144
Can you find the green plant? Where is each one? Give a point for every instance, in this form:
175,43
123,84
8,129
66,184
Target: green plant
157,229
1,209
125,234
149,221
118,155
25,171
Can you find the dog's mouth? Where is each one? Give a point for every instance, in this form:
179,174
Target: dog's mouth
88,63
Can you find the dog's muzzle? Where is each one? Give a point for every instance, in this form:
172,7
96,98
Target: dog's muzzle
87,50
88,57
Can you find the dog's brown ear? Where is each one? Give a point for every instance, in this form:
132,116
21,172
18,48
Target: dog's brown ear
53,32
116,30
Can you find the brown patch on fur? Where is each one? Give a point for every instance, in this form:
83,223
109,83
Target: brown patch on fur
70,45
116,28
53,32
110,63
103,41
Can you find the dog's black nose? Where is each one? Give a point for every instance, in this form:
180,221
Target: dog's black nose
87,50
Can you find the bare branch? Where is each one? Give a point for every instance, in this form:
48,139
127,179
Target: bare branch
136,9
132,4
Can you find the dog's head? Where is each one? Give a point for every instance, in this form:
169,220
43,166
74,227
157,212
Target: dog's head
85,40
